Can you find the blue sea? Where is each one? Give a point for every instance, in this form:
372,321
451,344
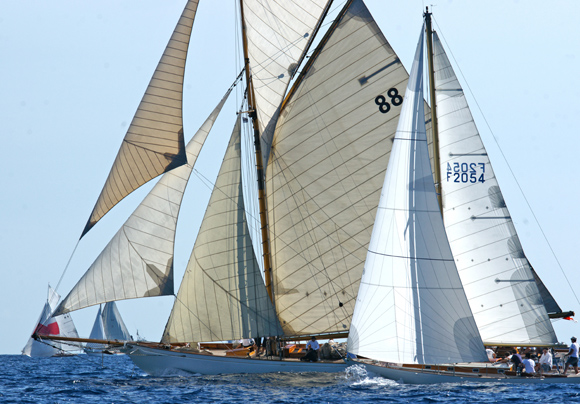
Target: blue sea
114,379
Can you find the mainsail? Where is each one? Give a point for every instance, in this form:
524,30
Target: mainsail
498,279
278,33
327,165
154,141
138,261
222,295
411,307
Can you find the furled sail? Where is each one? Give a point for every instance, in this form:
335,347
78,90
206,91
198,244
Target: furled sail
278,33
498,279
411,307
154,141
138,261
51,325
222,295
327,165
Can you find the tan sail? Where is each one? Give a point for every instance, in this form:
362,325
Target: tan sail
154,141
138,261
277,33
222,295
327,165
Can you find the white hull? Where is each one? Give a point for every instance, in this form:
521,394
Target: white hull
412,376
159,362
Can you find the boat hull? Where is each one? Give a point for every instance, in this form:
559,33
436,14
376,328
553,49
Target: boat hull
160,362
413,376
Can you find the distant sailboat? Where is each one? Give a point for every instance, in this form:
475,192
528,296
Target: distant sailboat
109,326
433,293
48,325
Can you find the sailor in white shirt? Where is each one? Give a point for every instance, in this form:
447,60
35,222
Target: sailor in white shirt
573,356
545,361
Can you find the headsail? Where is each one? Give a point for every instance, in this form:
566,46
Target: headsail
154,141
222,295
411,307
326,169
496,274
278,33
138,261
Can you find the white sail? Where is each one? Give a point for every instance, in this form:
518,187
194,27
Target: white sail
222,295
49,325
97,332
411,307
154,141
328,161
277,33
138,261
497,277
115,328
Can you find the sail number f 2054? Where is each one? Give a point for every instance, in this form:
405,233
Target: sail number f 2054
466,172
396,100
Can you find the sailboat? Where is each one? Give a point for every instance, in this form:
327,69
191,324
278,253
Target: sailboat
48,325
445,274
322,147
108,325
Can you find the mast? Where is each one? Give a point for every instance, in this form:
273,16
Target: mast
436,160
259,163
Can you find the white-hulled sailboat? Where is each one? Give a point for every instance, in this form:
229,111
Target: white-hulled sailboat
321,149
49,325
443,278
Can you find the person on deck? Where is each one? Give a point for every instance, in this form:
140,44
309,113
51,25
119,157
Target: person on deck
245,343
529,366
491,356
545,364
573,356
312,351
517,361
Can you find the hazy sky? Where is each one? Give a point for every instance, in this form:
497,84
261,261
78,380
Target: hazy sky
73,73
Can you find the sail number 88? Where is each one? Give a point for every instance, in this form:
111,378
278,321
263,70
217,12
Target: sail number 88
396,100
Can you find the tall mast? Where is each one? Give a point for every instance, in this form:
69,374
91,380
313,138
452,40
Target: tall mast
259,163
435,126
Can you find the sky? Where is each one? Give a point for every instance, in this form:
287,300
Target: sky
72,74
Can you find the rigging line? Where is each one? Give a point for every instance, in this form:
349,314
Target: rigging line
67,265
510,169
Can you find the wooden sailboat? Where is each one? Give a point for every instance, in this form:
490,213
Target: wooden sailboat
445,272
323,147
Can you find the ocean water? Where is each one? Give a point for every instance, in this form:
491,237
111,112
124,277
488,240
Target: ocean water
114,379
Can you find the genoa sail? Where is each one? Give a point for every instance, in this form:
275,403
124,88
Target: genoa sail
411,307
498,279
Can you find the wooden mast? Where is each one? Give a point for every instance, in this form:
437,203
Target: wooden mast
259,163
434,125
